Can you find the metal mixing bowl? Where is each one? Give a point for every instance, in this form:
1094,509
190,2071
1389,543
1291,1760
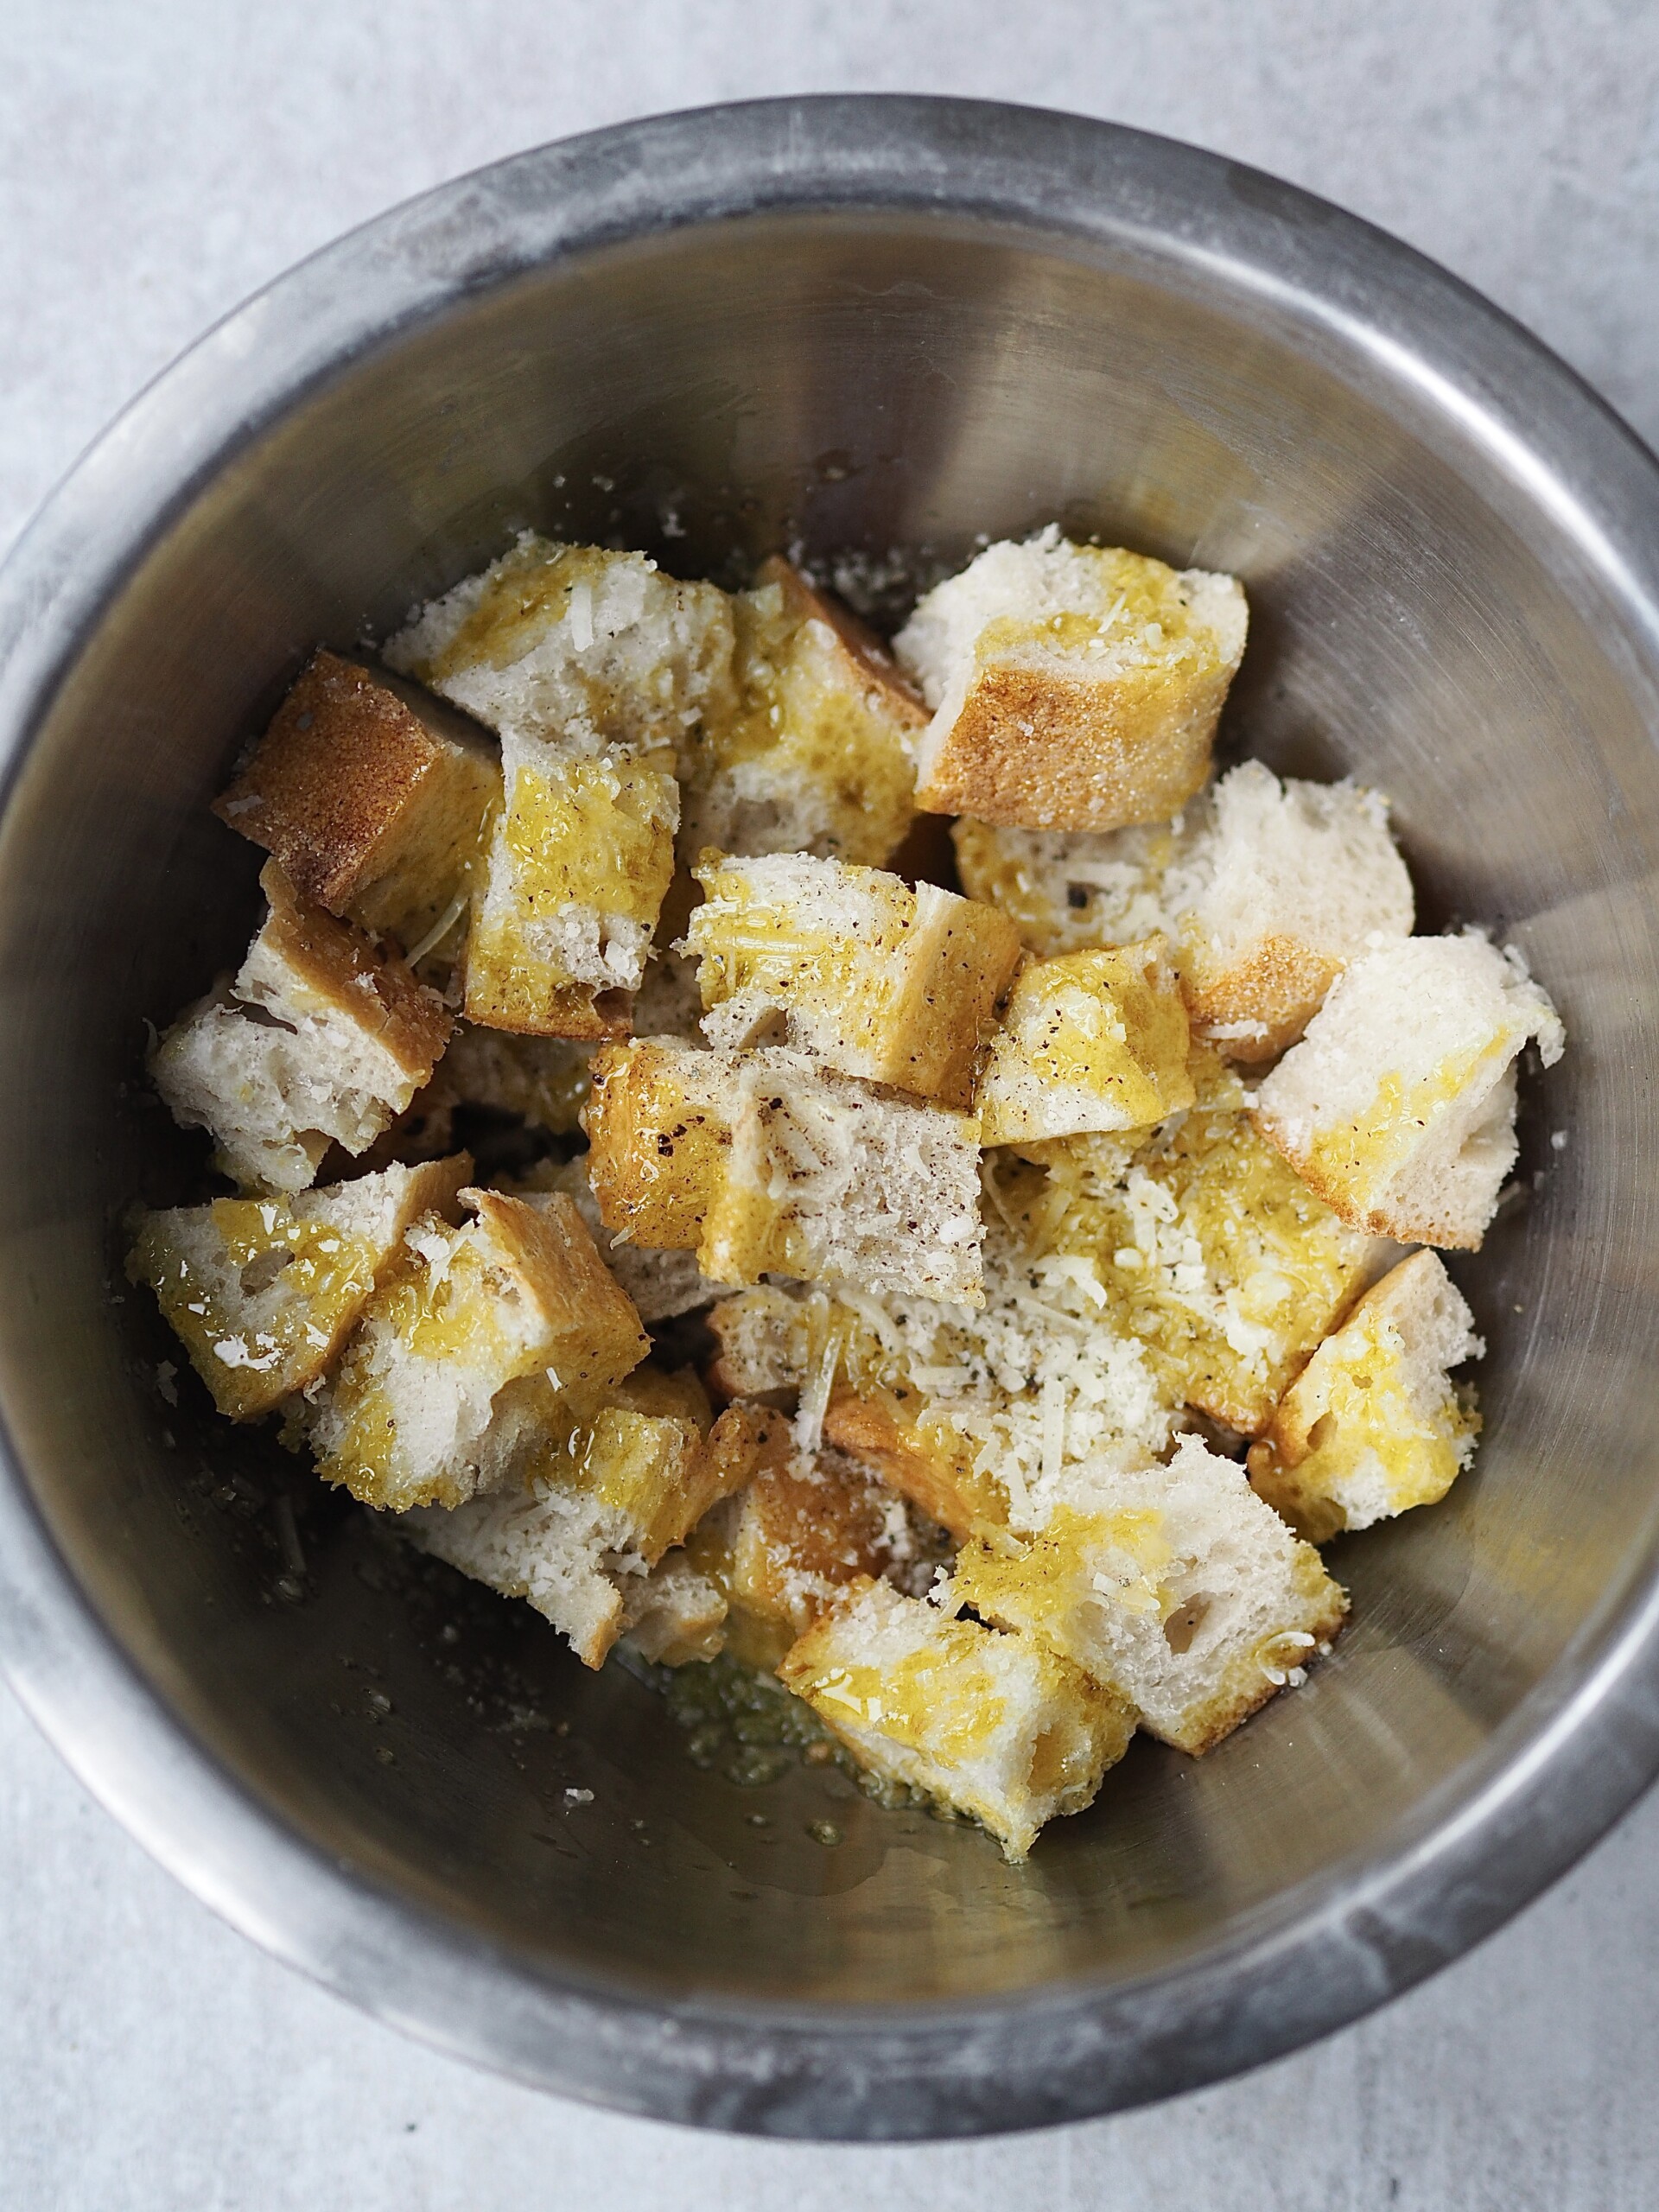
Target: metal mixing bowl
858,323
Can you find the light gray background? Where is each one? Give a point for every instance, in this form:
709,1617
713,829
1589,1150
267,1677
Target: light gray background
157,161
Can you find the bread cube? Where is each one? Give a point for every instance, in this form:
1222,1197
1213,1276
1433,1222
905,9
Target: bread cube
1073,687
674,1616
1070,890
1283,885
1207,1250
1089,1041
922,1454
761,1162
853,968
374,796
412,1416
656,1471
786,1546
1372,1425
814,756
580,858
1176,1587
996,1726
320,1040
575,645
1398,1105
263,1293
660,1118
542,1545
590,1508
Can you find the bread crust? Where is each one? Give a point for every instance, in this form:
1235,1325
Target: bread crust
1398,1222
1276,987
869,663
375,988
642,1124
865,1429
1035,745
358,771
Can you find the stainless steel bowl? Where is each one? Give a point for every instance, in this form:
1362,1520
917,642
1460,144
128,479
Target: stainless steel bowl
862,323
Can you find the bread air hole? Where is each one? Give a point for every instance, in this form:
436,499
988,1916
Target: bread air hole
1184,1623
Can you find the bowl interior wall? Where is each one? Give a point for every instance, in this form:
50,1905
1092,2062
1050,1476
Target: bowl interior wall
857,386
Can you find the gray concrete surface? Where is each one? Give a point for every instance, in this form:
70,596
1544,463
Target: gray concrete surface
156,165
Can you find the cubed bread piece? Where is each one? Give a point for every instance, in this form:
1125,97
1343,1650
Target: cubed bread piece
1068,889
1177,1588
1073,687
1281,887
1089,1041
761,1162
922,1454
520,1293
997,1726
815,754
657,1472
1372,1425
675,1616
374,796
786,1546
263,1293
576,644
581,857
1398,1105
853,968
319,1038
1207,1250
590,1508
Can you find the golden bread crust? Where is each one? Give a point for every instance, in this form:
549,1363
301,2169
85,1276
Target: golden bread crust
655,1154
376,988
358,769
871,663
1035,745
946,1491
1279,986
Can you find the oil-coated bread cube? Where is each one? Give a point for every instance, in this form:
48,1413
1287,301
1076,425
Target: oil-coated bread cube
814,756
263,1293
761,1162
1088,1041
319,1038
1372,1425
1073,687
1265,891
590,1508
581,856
1176,1586
997,1726
576,645
412,1416
785,1547
1398,1105
373,795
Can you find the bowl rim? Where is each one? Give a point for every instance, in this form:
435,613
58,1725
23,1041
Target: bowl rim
1561,1769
